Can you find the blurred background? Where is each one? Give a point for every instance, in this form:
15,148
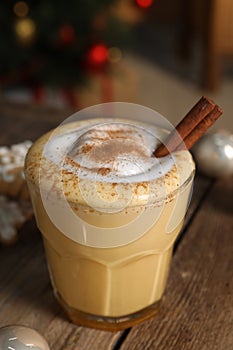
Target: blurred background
162,54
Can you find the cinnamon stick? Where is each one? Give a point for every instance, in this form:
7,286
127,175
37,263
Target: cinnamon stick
200,129
195,123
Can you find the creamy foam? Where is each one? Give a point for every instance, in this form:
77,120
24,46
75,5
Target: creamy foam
107,164
110,152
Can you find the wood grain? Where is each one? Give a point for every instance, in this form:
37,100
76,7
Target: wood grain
21,121
197,309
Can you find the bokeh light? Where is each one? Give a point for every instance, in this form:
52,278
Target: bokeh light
144,3
21,9
114,54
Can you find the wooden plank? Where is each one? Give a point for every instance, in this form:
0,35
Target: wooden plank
21,121
25,293
197,309
73,337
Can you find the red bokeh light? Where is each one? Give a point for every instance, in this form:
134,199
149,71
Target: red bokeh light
144,3
98,54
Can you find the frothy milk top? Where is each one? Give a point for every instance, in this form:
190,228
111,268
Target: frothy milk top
103,162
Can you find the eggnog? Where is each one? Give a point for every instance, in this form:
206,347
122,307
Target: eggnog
109,213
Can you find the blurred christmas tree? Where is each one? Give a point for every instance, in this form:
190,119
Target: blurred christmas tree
57,42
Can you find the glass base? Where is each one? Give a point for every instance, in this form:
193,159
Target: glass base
112,324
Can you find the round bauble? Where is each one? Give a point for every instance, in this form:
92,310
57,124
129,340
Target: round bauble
21,338
213,154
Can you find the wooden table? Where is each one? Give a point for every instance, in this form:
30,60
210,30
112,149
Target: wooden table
197,308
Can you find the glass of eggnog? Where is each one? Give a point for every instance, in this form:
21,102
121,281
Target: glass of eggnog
109,211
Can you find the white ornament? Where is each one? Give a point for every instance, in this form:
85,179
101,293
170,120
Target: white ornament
12,160
21,338
214,154
12,216
15,205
